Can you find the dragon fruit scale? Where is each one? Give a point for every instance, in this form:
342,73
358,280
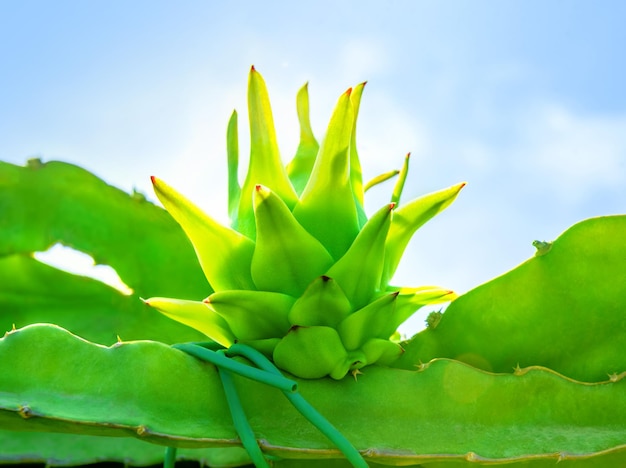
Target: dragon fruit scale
303,275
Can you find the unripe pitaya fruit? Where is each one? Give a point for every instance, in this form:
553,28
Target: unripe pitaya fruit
303,275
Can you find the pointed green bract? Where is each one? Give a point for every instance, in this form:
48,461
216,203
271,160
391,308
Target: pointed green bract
302,163
356,175
323,303
397,189
225,255
253,315
304,275
408,218
232,151
382,352
379,179
286,257
327,207
265,164
311,352
196,315
369,322
411,299
359,271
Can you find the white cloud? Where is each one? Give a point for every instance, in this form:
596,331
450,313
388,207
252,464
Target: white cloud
362,58
575,155
386,133
573,164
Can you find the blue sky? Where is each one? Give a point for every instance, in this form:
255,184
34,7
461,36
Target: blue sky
524,100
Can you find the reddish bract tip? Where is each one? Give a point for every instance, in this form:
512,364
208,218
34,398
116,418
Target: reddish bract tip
348,92
206,301
392,205
258,187
153,179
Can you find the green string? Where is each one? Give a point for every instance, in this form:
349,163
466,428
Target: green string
268,374
170,457
221,361
246,435
305,408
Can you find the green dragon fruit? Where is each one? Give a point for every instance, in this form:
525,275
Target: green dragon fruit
303,275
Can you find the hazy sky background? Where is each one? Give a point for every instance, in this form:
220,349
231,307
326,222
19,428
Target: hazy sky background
524,100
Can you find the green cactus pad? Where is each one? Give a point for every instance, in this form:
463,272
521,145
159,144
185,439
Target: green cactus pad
444,412
564,310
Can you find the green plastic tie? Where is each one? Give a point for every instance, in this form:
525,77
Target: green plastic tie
303,406
170,457
265,372
245,432
221,361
